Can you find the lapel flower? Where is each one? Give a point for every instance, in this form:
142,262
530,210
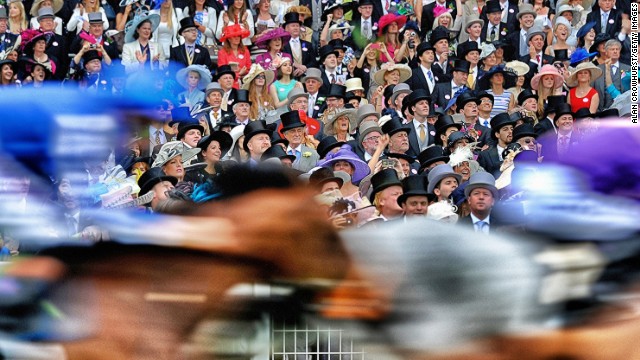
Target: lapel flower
451,6
375,26
306,154
320,99
479,132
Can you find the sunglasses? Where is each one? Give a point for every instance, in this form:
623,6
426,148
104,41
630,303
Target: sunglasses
530,141
262,76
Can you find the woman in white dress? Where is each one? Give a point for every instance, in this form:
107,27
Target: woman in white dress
140,51
55,5
205,18
80,18
236,9
167,32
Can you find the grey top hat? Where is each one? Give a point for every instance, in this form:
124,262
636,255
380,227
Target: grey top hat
3,13
366,129
482,180
95,18
312,73
526,9
535,30
214,86
401,88
366,110
296,93
45,12
440,172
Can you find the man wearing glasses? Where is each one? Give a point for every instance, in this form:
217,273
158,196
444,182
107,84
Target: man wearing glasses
190,53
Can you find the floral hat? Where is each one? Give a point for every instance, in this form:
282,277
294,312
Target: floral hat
276,33
234,30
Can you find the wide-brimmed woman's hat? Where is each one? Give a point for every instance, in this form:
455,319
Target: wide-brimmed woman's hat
547,70
152,177
487,49
257,69
205,75
277,33
222,137
28,63
386,20
30,37
55,4
520,68
580,55
564,8
136,22
361,169
405,73
595,71
332,4
234,30
10,62
340,26
584,30
300,9
349,113
171,150
509,75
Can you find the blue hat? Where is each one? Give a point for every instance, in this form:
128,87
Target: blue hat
585,29
580,55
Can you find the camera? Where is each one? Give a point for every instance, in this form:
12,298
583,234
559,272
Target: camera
93,46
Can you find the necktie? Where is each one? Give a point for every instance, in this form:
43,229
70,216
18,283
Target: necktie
225,100
564,144
366,29
538,59
605,17
333,78
493,34
297,52
157,140
72,225
312,103
486,123
482,226
470,80
613,69
190,53
423,134
524,47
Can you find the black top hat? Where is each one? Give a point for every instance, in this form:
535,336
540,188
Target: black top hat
365,2
492,6
461,65
408,158
562,55
276,151
523,130
600,38
186,23
438,34
291,120
509,75
383,180
424,46
242,96
292,17
326,51
151,177
464,98
394,126
323,176
254,128
608,113
467,47
499,121
351,96
414,98
327,144
430,155
185,126
553,101
442,124
483,94
526,94
563,109
91,55
222,137
225,69
337,91
584,113
338,44
414,185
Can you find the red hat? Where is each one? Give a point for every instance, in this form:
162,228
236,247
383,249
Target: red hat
390,18
234,31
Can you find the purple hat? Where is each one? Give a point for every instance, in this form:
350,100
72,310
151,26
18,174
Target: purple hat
361,169
263,40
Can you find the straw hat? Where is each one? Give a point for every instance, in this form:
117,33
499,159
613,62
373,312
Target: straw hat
205,75
405,73
302,10
595,71
547,70
354,84
349,113
55,4
256,70
520,68
342,27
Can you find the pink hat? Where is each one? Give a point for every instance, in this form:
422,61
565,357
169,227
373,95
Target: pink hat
547,70
391,18
263,40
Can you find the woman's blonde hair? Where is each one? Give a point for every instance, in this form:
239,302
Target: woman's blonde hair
170,15
22,22
543,93
257,101
88,9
